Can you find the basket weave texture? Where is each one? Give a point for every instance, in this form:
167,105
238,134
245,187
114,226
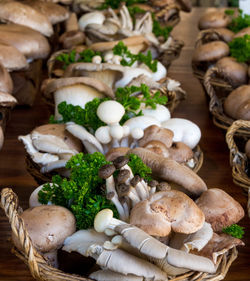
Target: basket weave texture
40,270
220,119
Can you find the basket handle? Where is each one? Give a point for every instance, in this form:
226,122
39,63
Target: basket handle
209,75
234,151
9,203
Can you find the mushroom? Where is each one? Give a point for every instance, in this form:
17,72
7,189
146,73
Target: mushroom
219,213
161,112
214,19
157,133
247,148
33,200
76,91
225,34
48,227
1,137
166,210
237,103
90,18
6,84
237,72
54,12
16,12
157,147
243,32
169,170
105,274
180,152
115,152
142,122
210,52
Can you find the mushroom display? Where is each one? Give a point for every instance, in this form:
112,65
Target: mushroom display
48,227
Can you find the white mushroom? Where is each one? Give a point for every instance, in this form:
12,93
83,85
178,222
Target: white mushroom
141,122
161,113
89,18
33,200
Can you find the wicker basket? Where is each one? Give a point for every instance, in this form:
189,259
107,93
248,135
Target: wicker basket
34,169
40,270
238,159
220,119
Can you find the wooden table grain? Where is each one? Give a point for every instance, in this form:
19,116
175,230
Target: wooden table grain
216,171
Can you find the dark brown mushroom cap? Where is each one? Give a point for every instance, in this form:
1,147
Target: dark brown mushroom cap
219,208
185,5
214,19
135,180
106,171
6,84
243,32
163,186
48,226
55,13
153,183
247,148
115,152
237,103
123,189
11,58
16,12
120,161
122,176
211,51
155,133
59,131
55,84
165,210
29,42
237,72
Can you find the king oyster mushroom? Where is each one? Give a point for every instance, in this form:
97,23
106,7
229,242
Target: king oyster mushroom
19,13
51,146
76,91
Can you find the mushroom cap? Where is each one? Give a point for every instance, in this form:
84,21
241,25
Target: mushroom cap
11,57
219,208
115,152
211,51
237,103
7,100
225,33
135,44
161,113
214,19
142,122
180,152
110,111
165,210
247,148
55,13
185,5
157,147
29,42
6,84
60,132
233,69
156,133
48,226
1,137
16,12
106,171
243,32
57,84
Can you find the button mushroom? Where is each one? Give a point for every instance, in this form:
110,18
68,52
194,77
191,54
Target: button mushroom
48,227
214,19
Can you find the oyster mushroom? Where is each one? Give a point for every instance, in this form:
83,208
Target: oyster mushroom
169,170
76,91
48,227
167,210
16,12
105,274
219,213
237,103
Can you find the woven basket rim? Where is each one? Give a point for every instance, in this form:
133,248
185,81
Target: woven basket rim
238,160
40,270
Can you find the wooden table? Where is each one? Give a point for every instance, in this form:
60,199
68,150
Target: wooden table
215,171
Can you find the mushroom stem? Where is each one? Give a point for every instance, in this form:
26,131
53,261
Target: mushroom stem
141,191
114,199
54,165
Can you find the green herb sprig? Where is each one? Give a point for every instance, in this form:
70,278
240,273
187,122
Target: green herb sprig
234,230
240,48
128,59
139,168
239,22
73,57
81,193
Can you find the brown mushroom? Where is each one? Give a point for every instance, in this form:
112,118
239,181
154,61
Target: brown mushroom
16,12
156,133
115,152
243,32
210,52
180,152
219,208
48,227
6,84
169,170
185,5
214,19
237,103
157,147
237,72
225,33
166,210
247,148
29,42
